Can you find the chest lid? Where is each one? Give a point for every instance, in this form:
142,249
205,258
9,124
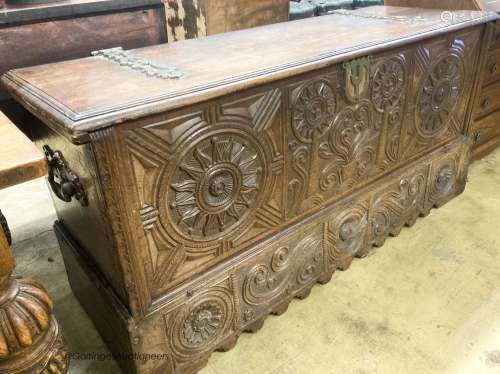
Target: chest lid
78,97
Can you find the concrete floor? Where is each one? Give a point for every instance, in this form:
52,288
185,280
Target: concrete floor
427,302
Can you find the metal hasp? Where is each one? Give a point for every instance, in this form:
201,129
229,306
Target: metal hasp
140,64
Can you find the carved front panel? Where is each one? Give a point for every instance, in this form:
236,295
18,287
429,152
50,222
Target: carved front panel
207,183
282,272
213,181
441,85
210,314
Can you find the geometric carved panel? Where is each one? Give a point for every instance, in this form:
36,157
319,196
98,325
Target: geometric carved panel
442,81
213,182
207,184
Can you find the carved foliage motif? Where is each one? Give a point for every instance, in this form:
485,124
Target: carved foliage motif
400,205
213,181
350,149
285,271
266,280
329,155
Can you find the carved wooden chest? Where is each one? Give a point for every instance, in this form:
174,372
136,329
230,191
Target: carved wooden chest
486,125
202,185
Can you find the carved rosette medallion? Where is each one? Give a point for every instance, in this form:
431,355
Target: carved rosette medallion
216,184
314,111
203,323
200,325
439,95
388,84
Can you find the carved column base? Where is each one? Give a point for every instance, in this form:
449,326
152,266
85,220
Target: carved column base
30,338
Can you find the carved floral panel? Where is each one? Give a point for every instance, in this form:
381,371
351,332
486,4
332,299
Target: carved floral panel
207,183
442,80
198,324
332,140
218,179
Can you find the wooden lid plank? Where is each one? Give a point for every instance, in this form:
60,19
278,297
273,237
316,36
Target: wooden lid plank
80,96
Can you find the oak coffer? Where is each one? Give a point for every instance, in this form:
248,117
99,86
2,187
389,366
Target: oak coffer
202,185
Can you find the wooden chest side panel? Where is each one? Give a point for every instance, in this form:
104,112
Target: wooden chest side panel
210,181
88,225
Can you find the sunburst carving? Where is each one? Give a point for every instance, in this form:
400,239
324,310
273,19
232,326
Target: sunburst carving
314,111
388,84
440,94
216,183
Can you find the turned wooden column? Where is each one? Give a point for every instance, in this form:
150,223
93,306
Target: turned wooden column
30,337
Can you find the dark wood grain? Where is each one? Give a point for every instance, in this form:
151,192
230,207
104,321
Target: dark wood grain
65,39
251,57
219,189
486,131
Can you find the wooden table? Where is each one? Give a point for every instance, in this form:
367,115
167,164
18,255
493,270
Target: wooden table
30,338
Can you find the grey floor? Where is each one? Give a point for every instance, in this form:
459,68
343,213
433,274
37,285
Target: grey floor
427,302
